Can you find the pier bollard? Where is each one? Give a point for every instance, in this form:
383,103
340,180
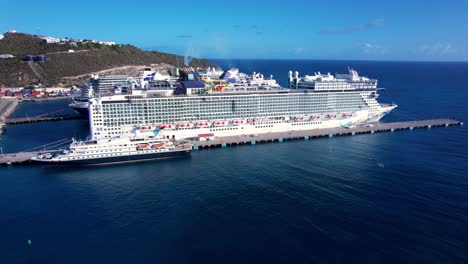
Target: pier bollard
353,133
306,138
330,135
195,147
280,140
223,145
252,142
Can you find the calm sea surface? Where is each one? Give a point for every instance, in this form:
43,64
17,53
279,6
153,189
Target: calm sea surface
397,197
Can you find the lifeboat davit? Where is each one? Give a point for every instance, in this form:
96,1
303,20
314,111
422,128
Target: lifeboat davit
166,126
203,124
238,122
219,123
184,125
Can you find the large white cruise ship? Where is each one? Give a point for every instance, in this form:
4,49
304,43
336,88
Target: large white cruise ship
310,102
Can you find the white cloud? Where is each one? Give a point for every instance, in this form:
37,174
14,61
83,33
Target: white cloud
376,23
437,49
296,51
368,48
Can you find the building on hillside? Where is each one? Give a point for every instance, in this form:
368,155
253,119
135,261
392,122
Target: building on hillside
6,56
108,43
50,39
28,58
40,58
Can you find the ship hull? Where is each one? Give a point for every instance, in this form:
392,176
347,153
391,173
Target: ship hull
265,127
80,107
119,159
81,111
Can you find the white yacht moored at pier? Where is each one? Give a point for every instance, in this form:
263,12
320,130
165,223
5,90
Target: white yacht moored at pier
121,149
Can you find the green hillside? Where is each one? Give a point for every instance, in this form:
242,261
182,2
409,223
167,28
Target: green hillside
87,58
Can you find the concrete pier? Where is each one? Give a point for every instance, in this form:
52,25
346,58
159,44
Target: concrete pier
329,132
23,157
17,158
13,121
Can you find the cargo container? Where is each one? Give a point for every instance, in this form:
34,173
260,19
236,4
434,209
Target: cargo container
35,92
26,91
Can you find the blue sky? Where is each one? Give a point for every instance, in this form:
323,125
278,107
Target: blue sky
357,29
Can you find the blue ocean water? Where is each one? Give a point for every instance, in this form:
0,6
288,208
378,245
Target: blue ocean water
379,198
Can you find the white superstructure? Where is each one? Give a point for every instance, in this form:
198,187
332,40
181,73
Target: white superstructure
310,102
142,144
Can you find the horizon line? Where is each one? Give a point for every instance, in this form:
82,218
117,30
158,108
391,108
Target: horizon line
361,60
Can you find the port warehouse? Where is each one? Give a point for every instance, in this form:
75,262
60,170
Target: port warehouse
35,92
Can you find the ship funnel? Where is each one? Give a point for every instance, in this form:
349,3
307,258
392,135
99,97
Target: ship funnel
290,78
296,74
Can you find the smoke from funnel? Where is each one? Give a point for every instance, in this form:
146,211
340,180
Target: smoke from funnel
187,60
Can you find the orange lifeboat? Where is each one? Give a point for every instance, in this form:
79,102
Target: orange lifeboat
347,114
238,122
315,117
203,124
219,123
331,115
143,146
143,128
158,145
299,118
165,126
